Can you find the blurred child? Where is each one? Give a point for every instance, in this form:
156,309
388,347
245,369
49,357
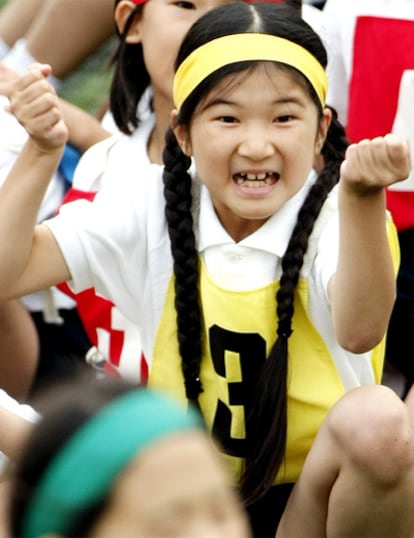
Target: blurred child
84,473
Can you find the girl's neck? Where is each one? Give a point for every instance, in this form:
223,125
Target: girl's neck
162,109
156,144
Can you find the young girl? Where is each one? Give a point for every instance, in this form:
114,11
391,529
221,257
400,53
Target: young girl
82,473
268,298
150,33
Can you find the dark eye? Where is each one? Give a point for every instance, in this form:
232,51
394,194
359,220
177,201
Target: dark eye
284,119
185,5
227,119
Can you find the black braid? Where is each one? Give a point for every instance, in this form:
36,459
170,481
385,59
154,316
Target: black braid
266,427
268,419
177,192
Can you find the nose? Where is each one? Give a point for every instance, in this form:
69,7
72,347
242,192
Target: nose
256,144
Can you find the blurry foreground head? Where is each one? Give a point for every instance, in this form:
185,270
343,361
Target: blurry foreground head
109,460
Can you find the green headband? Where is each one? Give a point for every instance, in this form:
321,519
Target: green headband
233,48
83,471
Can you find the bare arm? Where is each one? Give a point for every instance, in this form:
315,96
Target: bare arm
14,430
85,24
16,17
30,258
19,349
362,291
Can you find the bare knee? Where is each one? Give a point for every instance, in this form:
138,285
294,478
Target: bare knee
372,430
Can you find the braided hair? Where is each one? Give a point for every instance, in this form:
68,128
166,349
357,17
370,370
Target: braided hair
266,425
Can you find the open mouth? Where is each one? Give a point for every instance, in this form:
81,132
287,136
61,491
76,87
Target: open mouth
261,179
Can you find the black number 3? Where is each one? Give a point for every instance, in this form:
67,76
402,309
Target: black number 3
251,353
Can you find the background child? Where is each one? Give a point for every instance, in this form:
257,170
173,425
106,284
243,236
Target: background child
83,473
262,305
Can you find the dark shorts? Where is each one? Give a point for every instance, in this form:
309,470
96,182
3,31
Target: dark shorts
401,326
62,348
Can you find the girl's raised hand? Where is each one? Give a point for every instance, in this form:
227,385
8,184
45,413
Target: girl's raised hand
35,105
371,165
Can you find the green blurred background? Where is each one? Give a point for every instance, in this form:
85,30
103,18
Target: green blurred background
88,86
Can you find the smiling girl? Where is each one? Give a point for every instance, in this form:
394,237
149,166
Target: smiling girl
269,297
150,33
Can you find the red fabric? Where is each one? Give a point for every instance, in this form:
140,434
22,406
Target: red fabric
75,194
401,205
95,311
383,50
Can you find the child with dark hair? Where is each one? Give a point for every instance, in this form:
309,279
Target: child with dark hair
267,302
149,33
82,472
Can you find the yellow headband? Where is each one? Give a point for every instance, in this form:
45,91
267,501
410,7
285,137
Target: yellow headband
244,47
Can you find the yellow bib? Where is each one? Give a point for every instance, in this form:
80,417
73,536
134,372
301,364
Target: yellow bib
239,330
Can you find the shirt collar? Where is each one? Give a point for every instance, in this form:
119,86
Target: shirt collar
272,237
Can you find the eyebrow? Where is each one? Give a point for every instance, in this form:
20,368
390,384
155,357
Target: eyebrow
221,101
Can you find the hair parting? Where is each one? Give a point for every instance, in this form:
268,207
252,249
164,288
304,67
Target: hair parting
266,425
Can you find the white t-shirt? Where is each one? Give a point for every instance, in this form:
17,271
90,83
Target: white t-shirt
119,244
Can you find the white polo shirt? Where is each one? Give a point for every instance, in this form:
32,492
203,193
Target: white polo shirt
119,244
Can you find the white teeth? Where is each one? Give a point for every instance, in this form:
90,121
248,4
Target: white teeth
255,180
253,177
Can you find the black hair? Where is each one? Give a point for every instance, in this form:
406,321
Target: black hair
295,4
266,426
65,407
130,78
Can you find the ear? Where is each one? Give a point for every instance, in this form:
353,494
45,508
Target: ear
122,12
323,129
181,134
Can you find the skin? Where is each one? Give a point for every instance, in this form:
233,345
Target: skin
57,22
19,349
46,22
16,17
358,478
178,488
160,28
252,132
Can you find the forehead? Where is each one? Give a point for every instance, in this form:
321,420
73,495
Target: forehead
278,76
161,463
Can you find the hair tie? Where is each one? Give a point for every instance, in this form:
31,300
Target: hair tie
284,329
193,388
